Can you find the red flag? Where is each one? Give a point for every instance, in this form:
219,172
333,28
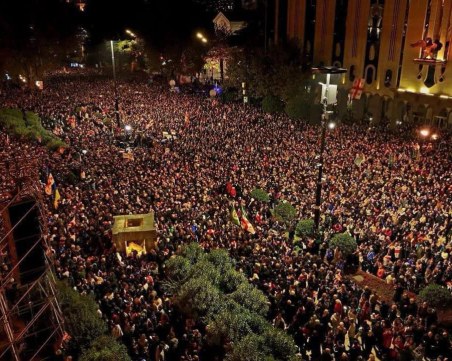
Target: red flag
357,89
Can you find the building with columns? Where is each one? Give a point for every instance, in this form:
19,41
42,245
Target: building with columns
400,47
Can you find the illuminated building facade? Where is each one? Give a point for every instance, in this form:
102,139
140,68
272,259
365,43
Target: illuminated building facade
400,47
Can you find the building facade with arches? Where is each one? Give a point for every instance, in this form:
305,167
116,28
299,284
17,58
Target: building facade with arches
401,48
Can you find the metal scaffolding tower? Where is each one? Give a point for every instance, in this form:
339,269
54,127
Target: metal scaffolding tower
31,321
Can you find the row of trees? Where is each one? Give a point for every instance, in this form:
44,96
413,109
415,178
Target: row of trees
208,288
277,78
286,213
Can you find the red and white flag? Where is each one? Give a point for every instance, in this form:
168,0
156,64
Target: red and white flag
245,223
357,89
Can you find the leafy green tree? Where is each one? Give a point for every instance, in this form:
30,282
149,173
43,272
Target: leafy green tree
230,95
221,260
193,252
305,227
272,345
251,348
272,104
196,297
105,348
251,298
231,280
260,195
285,212
82,319
346,243
217,295
271,74
436,295
233,322
280,343
205,269
192,59
178,270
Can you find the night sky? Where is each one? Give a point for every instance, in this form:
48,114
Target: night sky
160,22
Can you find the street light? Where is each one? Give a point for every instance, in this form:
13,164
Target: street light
201,37
130,33
118,121
328,70
425,132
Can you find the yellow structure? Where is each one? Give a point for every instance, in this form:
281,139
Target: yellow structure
134,233
402,48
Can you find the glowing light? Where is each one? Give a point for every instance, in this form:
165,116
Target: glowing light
128,128
204,40
435,136
424,90
199,36
444,96
331,125
424,132
400,90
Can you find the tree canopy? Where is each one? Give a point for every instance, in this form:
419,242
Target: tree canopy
207,287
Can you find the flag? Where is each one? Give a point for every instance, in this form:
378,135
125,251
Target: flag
50,184
234,216
57,199
359,159
357,89
245,223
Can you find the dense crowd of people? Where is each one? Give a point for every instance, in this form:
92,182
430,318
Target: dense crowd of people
396,201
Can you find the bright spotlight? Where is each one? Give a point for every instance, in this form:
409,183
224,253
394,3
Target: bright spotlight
128,128
435,136
199,36
424,132
331,125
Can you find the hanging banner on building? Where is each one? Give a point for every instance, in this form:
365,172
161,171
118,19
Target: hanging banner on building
357,89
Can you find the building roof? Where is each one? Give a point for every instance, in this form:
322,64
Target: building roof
221,21
133,223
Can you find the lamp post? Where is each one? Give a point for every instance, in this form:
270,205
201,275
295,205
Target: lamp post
118,121
328,70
